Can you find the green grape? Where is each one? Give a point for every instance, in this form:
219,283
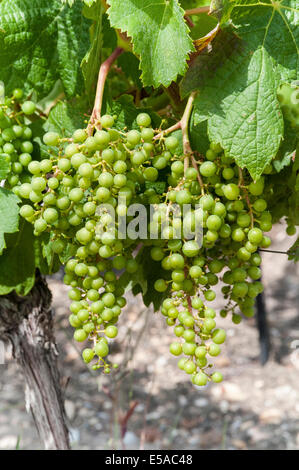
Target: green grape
51,138
28,107
80,335
143,120
171,143
101,349
208,169
217,377
88,355
231,191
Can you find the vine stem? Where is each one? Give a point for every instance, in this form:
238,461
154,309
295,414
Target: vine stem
183,124
103,72
197,11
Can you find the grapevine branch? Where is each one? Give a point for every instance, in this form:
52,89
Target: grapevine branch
183,124
103,72
197,11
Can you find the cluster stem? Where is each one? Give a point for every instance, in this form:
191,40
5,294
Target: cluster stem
103,72
183,124
197,11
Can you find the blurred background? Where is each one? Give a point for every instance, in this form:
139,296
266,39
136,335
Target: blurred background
148,403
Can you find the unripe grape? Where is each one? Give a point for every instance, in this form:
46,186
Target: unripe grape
80,335
175,349
257,188
111,331
26,211
143,120
189,367
51,138
200,379
50,215
231,191
101,349
217,377
207,169
171,143
28,107
218,336
88,355
107,121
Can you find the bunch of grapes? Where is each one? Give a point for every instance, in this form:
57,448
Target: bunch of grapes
16,145
234,218
70,195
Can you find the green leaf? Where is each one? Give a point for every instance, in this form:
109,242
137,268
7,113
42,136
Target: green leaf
199,136
274,26
4,166
40,42
45,260
202,22
159,34
130,66
67,116
287,147
238,97
293,252
142,281
151,272
109,34
158,186
51,258
17,263
127,113
92,60
9,214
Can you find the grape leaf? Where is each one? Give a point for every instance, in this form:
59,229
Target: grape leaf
287,147
293,252
142,281
126,112
9,214
272,25
67,116
40,42
238,79
151,271
109,34
92,60
159,34
4,166
17,263
238,97
202,23
130,66
45,259
199,136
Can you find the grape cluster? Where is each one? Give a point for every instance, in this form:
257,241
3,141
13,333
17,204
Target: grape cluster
233,216
69,195
16,146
